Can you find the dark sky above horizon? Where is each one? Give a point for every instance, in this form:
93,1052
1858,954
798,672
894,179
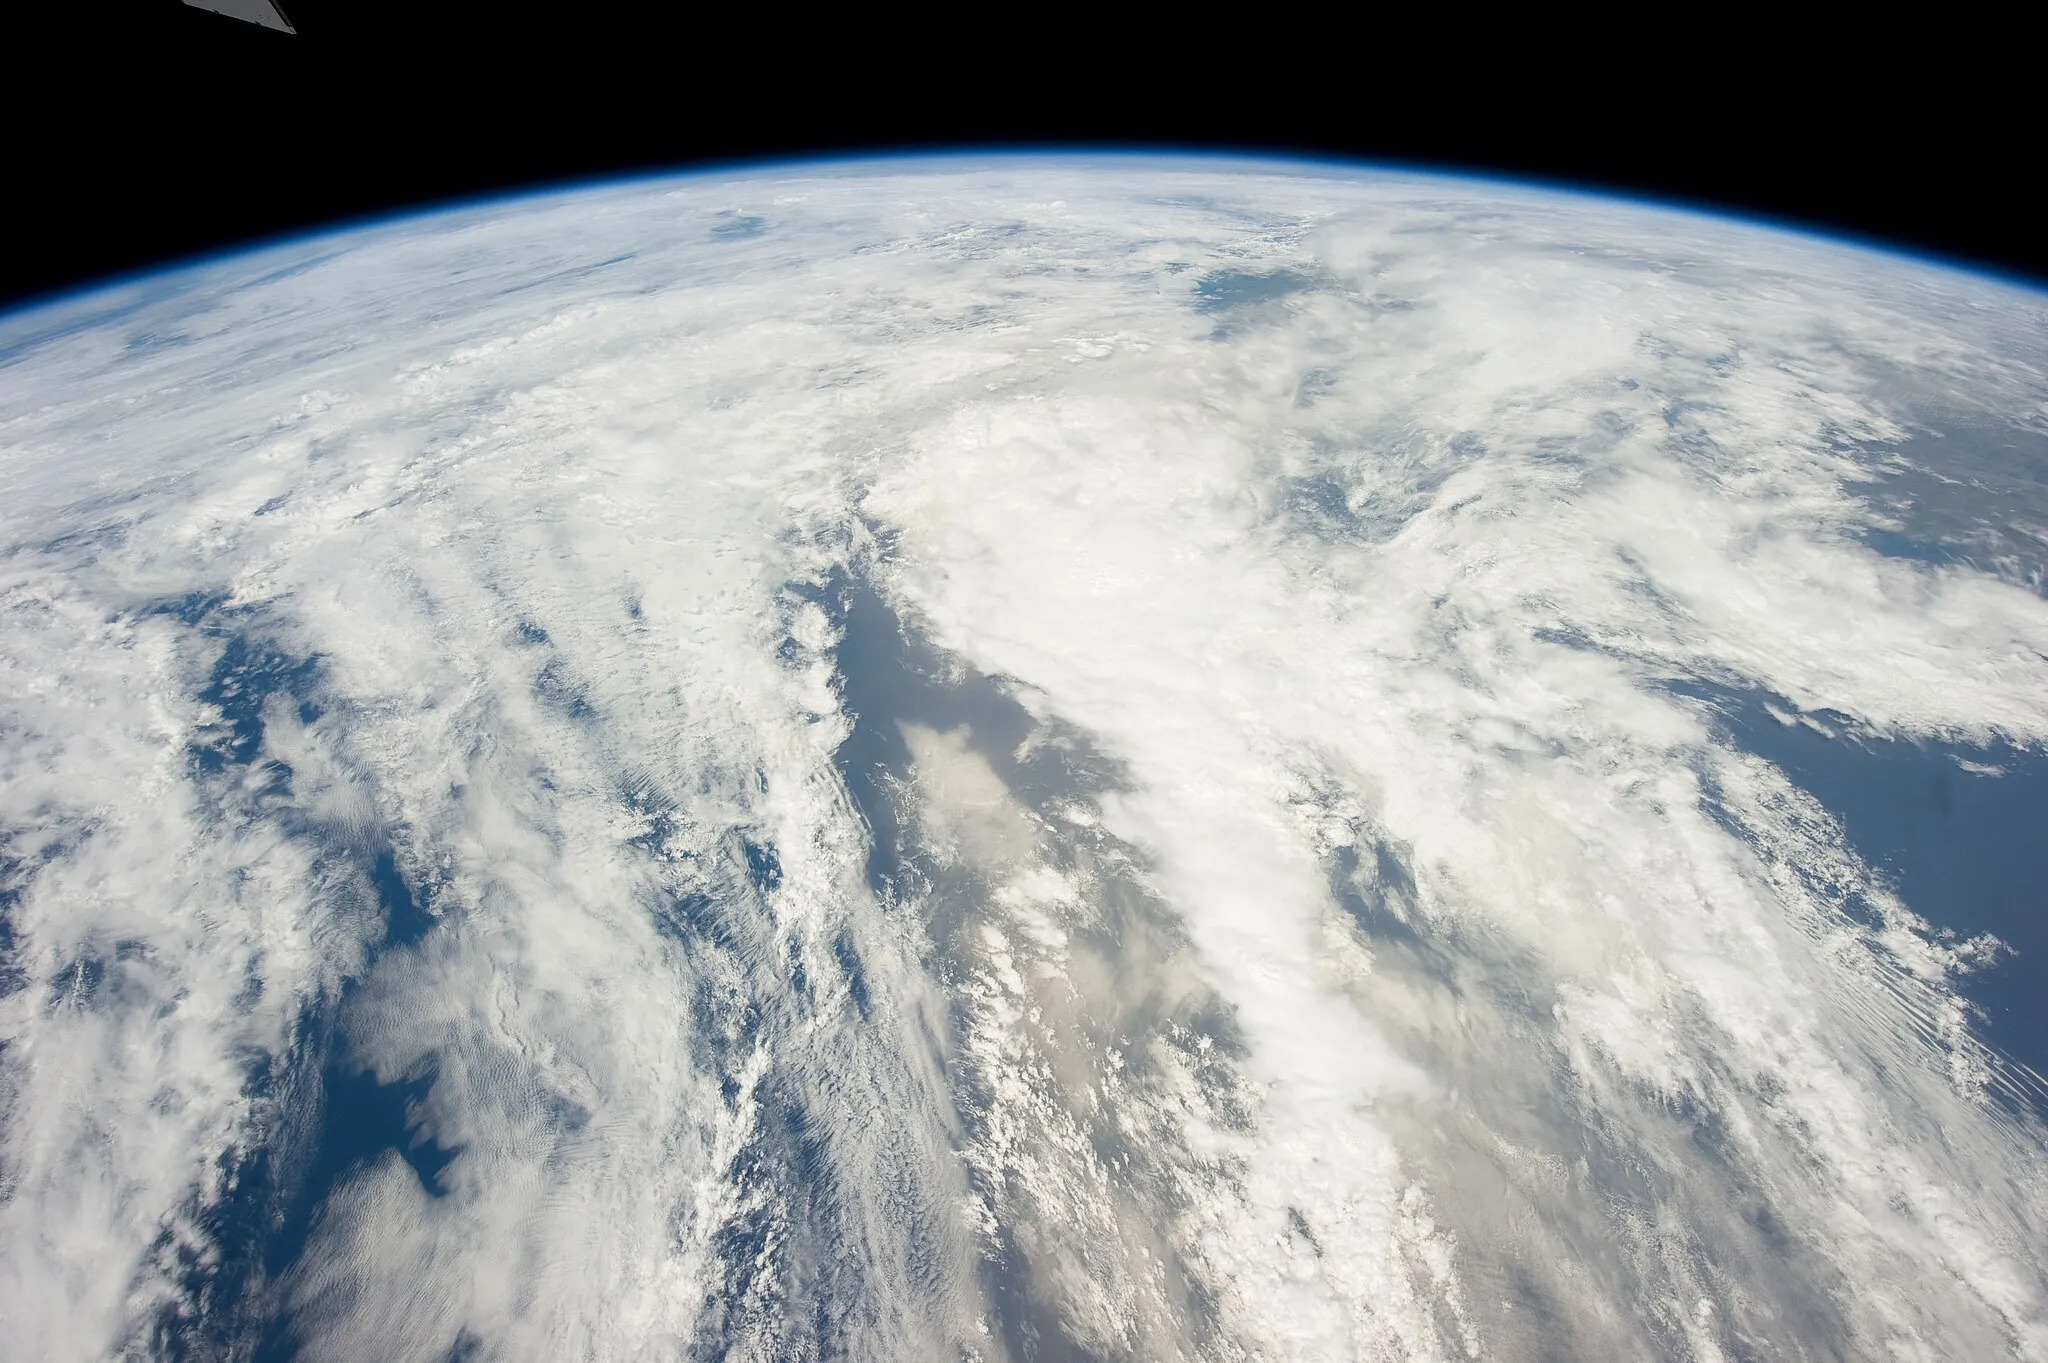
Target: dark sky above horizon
149,132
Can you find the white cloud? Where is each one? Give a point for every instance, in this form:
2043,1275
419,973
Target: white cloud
1360,596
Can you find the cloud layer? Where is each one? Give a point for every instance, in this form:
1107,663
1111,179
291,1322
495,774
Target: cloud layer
1020,761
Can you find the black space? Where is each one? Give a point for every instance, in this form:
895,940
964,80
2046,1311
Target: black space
145,131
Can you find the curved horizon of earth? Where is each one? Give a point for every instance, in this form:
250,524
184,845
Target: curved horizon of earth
1027,758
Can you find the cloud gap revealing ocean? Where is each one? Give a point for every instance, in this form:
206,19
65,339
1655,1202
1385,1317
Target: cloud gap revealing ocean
1026,760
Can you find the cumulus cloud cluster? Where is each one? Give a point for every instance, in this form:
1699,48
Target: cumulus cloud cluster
1009,761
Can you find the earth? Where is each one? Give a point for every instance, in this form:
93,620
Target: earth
1019,758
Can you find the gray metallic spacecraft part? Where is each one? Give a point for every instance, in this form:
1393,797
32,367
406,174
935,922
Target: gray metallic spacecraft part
255,11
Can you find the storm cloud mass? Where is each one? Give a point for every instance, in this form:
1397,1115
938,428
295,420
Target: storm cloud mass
1026,761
